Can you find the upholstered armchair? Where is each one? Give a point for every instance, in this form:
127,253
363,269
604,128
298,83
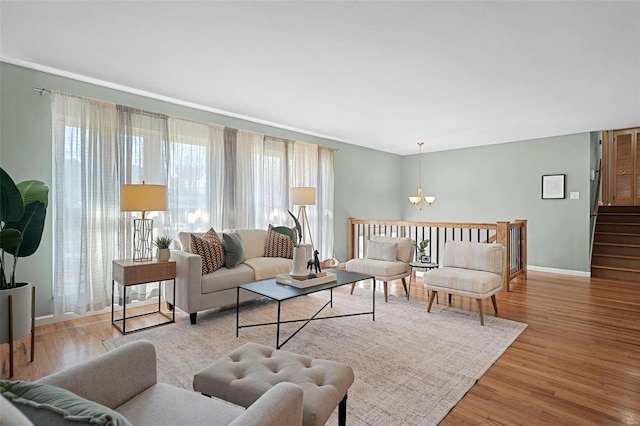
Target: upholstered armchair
387,258
469,269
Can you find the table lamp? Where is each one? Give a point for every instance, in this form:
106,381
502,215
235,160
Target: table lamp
143,198
303,196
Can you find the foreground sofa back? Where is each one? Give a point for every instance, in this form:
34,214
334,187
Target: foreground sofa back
125,380
196,292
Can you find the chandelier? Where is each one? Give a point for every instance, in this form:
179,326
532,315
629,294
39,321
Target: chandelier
417,199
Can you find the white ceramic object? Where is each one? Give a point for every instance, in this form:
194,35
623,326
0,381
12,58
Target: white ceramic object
21,300
163,255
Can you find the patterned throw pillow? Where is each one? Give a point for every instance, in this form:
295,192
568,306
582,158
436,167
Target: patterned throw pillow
278,245
210,249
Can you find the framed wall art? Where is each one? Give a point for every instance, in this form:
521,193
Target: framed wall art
553,186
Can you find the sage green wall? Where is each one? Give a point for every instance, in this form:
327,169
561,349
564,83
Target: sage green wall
503,182
490,183
366,180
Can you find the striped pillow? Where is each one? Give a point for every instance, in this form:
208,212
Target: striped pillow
278,245
210,249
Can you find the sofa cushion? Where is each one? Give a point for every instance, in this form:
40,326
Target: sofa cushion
51,405
233,251
278,245
11,416
379,250
225,278
268,267
185,240
405,246
460,279
163,404
477,256
252,241
210,249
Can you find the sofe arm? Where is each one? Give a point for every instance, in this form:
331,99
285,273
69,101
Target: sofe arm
188,281
113,377
279,406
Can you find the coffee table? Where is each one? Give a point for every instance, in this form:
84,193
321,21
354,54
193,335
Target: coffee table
281,292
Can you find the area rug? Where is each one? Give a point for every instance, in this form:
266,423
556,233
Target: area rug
411,367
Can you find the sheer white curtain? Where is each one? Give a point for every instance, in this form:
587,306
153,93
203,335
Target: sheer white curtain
324,203
86,205
143,149
195,176
215,176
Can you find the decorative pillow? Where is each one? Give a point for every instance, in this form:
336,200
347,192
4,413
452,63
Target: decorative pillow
279,245
210,249
47,404
233,250
378,250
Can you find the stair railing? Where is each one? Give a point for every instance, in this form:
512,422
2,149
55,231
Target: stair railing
512,235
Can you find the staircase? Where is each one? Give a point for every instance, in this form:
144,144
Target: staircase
616,244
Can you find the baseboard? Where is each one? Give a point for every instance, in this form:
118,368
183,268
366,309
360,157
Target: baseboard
51,319
559,271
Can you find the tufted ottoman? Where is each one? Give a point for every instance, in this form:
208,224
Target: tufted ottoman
245,374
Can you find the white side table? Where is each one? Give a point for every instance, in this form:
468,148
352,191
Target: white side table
129,273
419,265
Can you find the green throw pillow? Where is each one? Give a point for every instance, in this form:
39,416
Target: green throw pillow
39,401
233,250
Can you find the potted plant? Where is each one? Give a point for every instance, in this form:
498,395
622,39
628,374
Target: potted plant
23,209
422,246
163,242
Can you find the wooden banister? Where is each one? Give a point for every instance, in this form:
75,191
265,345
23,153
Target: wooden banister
512,235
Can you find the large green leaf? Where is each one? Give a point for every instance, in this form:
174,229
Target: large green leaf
31,225
34,190
10,238
283,230
11,204
298,227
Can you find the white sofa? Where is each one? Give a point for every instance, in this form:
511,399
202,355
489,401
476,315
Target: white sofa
195,292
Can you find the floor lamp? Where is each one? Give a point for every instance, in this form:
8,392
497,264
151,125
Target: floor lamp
303,196
143,198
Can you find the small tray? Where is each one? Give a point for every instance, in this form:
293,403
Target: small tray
309,282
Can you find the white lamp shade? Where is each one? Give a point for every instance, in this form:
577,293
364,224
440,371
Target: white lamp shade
143,198
302,196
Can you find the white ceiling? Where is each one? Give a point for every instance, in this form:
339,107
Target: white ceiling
378,74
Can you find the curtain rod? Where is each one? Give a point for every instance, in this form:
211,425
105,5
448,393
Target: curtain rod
42,90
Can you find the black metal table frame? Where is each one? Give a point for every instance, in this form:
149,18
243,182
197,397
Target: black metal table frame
419,265
306,291
123,329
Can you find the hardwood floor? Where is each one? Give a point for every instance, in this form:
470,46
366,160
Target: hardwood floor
578,361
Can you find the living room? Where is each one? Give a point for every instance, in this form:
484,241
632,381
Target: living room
497,181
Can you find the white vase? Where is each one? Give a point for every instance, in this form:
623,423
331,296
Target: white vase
163,255
21,301
299,265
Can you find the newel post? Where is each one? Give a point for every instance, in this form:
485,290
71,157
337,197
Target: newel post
523,246
350,240
502,237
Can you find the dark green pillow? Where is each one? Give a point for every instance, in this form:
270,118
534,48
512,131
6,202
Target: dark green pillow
233,251
39,402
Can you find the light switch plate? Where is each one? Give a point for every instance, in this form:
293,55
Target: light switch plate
574,196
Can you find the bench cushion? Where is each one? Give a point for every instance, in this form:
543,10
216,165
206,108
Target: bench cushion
463,280
379,268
